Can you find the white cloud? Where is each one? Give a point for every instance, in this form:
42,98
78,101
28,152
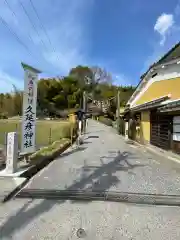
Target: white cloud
163,24
167,25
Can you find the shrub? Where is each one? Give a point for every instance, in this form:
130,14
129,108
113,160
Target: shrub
50,150
3,115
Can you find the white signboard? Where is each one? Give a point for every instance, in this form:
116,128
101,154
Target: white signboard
29,110
176,120
12,152
176,137
176,128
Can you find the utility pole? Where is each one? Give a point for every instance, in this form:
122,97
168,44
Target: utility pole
87,81
118,105
118,111
84,101
84,109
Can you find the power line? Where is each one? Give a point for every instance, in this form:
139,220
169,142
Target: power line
19,40
34,27
25,11
10,8
14,14
42,26
15,35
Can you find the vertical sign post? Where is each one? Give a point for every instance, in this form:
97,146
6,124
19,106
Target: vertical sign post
118,104
12,152
118,111
84,109
29,109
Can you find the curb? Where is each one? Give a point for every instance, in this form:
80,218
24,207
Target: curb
14,191
163,153
31,171
42,163
155,150
112,196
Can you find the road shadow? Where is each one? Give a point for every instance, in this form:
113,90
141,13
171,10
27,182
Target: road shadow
103,177
92,137
74,150
86,142
93,178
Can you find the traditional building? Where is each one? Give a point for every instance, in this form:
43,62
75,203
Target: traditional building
153,111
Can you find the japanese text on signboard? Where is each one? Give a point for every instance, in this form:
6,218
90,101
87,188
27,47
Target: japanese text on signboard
29,114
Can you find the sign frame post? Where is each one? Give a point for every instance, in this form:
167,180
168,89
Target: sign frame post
28,142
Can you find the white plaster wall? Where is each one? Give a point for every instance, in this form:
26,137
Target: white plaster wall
168,72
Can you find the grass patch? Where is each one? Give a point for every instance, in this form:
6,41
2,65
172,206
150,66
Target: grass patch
46,131
50,150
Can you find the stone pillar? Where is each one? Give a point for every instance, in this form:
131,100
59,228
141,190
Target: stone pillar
12,152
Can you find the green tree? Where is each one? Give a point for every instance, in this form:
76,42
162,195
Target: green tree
57,94
83,74
17,101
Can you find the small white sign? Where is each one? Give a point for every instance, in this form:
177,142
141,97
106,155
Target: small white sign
176,137
176,128
12,152
176,119
29,111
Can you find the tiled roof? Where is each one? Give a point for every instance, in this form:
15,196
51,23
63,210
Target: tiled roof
170,106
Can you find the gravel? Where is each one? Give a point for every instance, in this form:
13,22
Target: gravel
104,162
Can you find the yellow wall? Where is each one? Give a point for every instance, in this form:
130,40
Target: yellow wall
145,127
160,89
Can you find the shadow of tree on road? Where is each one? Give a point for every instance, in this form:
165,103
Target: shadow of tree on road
100,178
92,137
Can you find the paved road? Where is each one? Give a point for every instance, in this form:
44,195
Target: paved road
104,162
107,162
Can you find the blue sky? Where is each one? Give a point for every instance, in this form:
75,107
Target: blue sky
122,36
